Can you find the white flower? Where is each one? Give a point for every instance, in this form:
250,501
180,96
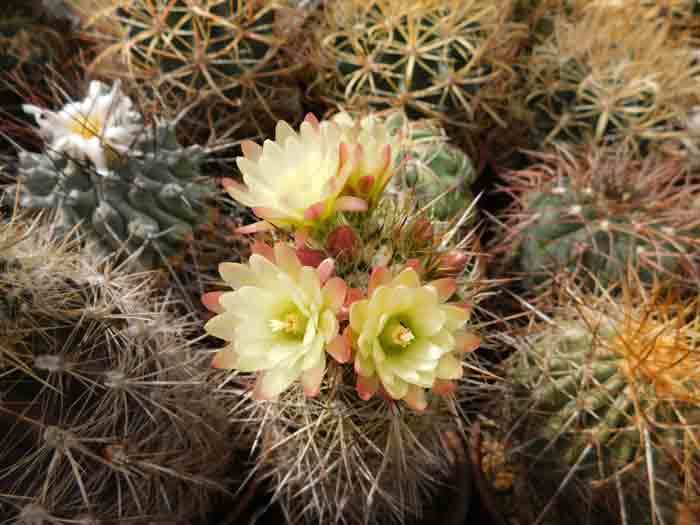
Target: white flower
280,320
407,338
98,128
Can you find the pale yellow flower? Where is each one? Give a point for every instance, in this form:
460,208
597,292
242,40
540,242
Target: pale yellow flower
407,337
373,151
296,180
279,320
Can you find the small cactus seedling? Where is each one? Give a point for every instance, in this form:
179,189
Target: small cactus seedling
606,393
440,59
134,188
597,77
104,414
598,213
194,52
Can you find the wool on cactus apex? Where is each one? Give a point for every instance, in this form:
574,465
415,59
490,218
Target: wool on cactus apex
361,339
132,187
105,414
605,403
598,211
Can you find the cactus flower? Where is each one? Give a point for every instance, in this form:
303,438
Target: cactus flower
98,128
279,320
407,337
295,181
374,150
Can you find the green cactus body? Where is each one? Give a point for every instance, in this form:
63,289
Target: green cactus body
104,416
595,78
437,171
152,199
434,59
611,391
222,53
600,214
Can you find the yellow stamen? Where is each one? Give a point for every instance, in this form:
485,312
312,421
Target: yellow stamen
401,335
86,127
291,323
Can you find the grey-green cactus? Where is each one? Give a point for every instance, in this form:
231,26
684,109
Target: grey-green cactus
104,415
144,194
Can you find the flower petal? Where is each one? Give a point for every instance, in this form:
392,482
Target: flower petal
334,294
415,398
367,386
210,301
225,359
311,379
339,348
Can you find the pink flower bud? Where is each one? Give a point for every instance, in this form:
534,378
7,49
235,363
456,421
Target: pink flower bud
310,257
343,243
422,233
452,263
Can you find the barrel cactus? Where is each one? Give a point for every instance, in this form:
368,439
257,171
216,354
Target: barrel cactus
134,188
222,53
445,60
605,394
599,212
104,413
595,78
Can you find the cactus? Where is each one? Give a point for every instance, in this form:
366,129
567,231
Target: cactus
599,212
339,459
438,172
105,417
596,77
188,53
33,40
444,60
606,397
334,454
146,198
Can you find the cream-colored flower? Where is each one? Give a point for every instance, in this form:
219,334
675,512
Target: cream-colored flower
295,181
407,338
98,128
373,150
280,319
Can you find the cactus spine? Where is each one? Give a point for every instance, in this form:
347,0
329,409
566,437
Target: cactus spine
607,395
104,416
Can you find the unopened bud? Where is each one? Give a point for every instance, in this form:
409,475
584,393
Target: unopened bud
343,243
452,263
422,233
310,257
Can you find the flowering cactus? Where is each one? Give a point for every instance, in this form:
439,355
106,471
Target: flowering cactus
286,335
98,128
407,337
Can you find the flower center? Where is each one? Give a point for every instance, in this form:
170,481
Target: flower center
86,127
292,324
396,336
